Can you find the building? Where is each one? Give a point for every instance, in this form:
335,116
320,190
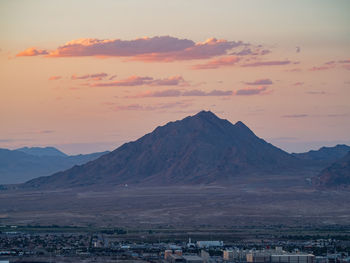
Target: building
272,257
192,259
258,257
228,255
208,244
293,258
173,258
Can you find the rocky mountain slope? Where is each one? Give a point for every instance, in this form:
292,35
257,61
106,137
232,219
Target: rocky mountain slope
200,149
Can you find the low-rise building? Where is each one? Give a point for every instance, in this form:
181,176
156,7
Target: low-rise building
208,244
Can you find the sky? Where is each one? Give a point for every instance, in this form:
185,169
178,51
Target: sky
88,76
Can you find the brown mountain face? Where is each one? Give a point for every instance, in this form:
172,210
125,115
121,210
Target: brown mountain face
200,149
335,176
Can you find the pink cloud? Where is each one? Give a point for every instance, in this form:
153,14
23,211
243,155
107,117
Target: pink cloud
298,84
332,64
177,93
217,63
260,82
219,93
55,77
202,50
248,51
252,91
45,131
96,76
162,48
346,67
267,63
316,92
295,116
320,68
171,81
294,70
30,52
141,81
158,106
162,93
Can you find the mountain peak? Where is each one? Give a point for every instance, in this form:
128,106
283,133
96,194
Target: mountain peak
42,151
199,149
206,115
240,125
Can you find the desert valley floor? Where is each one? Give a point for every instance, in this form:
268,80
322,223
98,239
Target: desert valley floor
176,206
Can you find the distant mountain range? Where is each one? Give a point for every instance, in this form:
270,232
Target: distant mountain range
23,164
336,175
328,154
42,151
200,149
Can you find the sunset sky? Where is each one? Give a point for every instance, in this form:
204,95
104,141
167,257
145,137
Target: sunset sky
87,76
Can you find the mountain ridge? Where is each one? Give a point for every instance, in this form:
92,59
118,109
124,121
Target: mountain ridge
42,151
18,166
337,175
199,149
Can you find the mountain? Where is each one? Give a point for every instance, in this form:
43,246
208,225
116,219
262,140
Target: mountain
328,154
336,175
17,166
42,151
200,149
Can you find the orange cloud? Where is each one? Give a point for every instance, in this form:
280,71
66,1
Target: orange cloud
141,81
29,52
55,77
217,63
162,48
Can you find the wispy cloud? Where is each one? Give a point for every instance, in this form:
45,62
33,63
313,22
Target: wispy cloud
294,70
338,115
217,63
298,83
344,61
260,82
143,81
96,76
295,116
45,131
55,77
267,63
252,91
158,106
320,68
178,93
316,92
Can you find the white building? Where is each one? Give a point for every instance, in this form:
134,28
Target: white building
208,244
